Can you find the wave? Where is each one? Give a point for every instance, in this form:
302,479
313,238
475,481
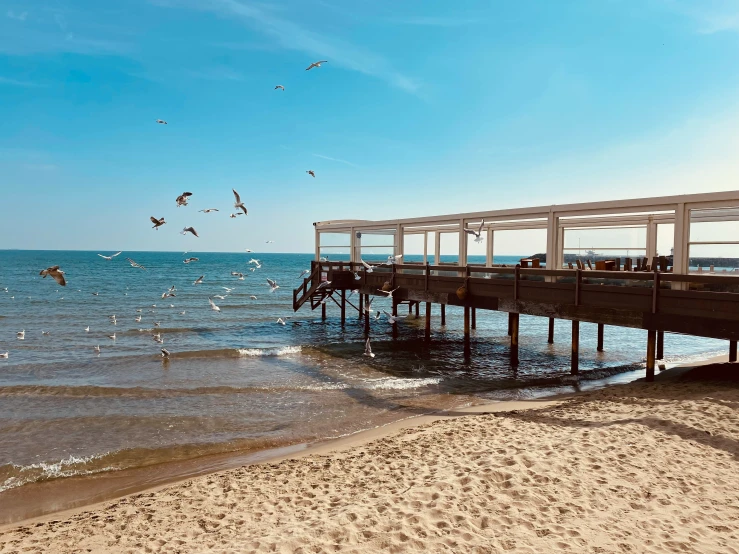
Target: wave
280,351
404,384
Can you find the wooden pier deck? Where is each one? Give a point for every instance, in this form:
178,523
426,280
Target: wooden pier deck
655,298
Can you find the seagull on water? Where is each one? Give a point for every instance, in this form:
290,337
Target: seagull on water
368,349
367,267
311,173
238,204
253,297
279,87
109,257
112,337
388,292
45,333
165,353
138,319
189,230
21,335
97,349
213,306
190,260
477,234
393,318
56,273
87,329
157,222
4,355
161,122
157,323
134,264
158,339
182,199
315,64
208,210
273,285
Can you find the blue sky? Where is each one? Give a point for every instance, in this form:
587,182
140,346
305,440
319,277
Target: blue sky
425,107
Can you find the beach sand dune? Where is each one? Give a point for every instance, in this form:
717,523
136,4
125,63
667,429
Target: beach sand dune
628,469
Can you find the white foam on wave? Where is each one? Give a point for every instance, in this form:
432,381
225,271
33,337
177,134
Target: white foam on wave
74,465
397,383
284,351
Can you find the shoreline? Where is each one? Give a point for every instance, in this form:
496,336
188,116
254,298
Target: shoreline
76,494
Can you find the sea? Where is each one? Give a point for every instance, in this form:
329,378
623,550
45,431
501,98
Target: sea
237,382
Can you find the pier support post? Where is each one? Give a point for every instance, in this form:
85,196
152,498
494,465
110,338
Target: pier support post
366,317
600,337
474,318
410,307
550,339
361,306
443,314
651,342
428,321
513,320
323,311
575,361
395,312
510,315
732,350
466,332
418,309
343,307
660,345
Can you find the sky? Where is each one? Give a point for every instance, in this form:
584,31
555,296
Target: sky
425,107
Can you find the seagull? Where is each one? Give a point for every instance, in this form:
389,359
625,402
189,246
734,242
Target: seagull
316,64
368,306
269,242
377,316
351,293
311,173
161,122
237,274
252,269
245,249
134,264
393,318
367,267
219,296
208,210
234,216
227,289
389,293
21,335
112,336
325,298
56,273
279,87
189,230
356,276
87,329
393,259
305,272
477,234
273,285
199,280
239,203
255,262
158,339
368,349
165,353
157,222
4,355
280,321
213,306
109,257
182,199
96,294
45,333
253,297
97,349
138,311
189,260
182,312
5,289
157,323
323,259
324,285
168,294
138,319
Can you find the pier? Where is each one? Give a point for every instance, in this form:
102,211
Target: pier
644,290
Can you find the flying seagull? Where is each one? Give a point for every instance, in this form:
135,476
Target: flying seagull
199,280
157,222
189,260
109,257
112,337
273,285
280,321
315,64
182,199
388,292
234,216
368,306
238,204
368,349
324,285
4,355
134,264
97,349
208,210
189,230
269,242
245,249
161,122
87,328
311,173
279,87
394,259
213,306
56,273
393,318
305,272
21,335
255,262
165,353
477,234
367,267
253,297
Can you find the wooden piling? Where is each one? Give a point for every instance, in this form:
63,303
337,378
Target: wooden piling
732,350
323,311
651,341
466,332
550,339
395,312
428,321
510,315
443,314
366,317
361,306
418,309
343,307
660,345
513,320
474,318
575,360
410,308
600,337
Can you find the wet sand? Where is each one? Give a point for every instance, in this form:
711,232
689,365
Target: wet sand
629,468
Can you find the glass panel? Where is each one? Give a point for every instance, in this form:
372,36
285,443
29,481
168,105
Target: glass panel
665,239
713,231
449,248
334,239
509,247
723,257
380,239
376,254
335,254
413,248
619,239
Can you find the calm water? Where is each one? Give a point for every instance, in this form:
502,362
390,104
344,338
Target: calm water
237,381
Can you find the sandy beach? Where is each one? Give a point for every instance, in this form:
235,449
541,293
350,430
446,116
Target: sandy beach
629,468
